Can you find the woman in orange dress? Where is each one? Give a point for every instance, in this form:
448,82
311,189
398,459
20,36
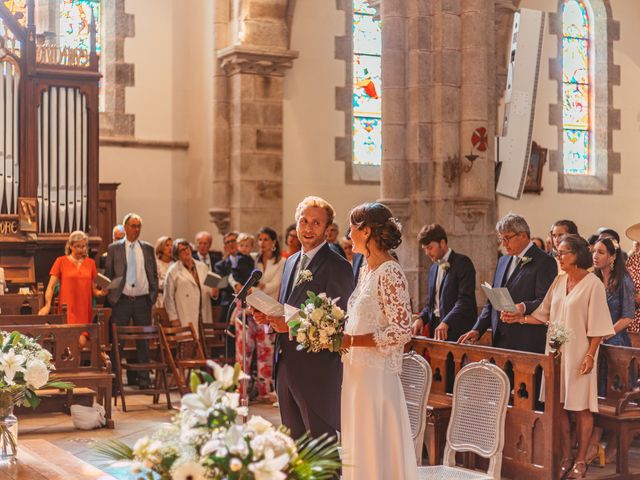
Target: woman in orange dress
76,274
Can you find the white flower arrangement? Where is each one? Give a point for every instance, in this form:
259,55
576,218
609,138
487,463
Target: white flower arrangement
24,368
319,324
204,441
304,277
558,334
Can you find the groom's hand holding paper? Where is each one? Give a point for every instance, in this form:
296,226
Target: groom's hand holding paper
268,311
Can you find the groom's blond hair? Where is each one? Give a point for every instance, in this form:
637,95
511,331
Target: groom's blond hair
312,201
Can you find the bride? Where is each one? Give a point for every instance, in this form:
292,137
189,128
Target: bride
376,436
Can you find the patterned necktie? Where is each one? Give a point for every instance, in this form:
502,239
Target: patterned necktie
131,266
303,264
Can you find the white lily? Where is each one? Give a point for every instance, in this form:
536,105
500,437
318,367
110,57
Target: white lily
270,468
11,363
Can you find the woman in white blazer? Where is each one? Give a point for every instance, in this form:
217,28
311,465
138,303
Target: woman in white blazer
186,298
259,341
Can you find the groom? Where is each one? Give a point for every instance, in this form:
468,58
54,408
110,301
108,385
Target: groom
308,384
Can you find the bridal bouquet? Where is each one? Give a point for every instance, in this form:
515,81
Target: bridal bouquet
204,441
319,325
558,334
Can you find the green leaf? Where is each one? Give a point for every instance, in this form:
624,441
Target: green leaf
317,459
60,385
114,450
311,295
207,377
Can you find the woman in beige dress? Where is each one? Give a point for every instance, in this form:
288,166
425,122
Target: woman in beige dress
577,300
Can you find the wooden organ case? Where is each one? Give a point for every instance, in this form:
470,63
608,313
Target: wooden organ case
48,146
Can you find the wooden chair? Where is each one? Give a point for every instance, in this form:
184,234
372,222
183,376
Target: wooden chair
151,334
102,317
160,317
619,410
480,398
184,353
416,383
213,337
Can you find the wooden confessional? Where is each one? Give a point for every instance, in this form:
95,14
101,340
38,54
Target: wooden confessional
48,146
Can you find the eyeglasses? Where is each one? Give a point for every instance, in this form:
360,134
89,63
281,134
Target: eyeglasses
562,253
229,242
182,250
506,238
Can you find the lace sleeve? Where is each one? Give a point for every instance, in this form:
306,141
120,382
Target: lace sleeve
394,301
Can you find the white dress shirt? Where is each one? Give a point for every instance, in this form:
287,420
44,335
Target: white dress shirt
439,278
142,284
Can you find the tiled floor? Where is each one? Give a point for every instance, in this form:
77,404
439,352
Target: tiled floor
142,418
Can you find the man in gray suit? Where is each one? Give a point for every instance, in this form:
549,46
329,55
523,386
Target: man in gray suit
132,263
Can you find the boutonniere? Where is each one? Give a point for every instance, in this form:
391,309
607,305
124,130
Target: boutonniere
305,276
525,260
444,265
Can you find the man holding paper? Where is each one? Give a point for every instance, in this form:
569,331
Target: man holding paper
308,384
527,272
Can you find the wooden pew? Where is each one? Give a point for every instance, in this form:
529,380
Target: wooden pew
6,321
532,440
62,342
619,410
12,303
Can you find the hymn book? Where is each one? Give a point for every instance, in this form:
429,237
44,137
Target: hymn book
500,298
213,280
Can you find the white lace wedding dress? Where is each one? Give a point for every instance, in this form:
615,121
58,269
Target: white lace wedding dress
376,436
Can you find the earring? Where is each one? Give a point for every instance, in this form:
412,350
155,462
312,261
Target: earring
612,263
273,249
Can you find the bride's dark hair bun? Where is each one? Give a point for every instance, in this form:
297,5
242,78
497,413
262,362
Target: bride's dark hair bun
386,230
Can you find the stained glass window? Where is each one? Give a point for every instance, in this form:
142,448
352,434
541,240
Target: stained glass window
367,105
75,24
576,88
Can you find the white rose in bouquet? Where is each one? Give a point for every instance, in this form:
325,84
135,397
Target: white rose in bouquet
37,374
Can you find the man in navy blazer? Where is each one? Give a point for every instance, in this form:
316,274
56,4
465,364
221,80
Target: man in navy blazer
309,384
527,272
451,308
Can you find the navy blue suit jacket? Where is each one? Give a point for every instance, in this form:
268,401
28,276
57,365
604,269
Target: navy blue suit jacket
458,307
528,284
314,378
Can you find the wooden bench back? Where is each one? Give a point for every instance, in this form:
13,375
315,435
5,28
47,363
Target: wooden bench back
623,364
9,320
62,342
531,436
12,303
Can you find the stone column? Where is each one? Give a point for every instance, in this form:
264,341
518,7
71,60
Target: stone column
248,165
438,87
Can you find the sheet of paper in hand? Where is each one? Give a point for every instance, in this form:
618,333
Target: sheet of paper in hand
213,280
105,283
265,304
500,298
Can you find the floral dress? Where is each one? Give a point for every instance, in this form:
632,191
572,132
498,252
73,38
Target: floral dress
633,266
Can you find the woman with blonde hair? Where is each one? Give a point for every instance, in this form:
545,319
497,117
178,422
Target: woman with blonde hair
164,246
76,274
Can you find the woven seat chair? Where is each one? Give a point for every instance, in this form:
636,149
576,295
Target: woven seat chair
480,396
416,384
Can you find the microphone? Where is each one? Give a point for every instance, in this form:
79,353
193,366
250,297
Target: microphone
253,280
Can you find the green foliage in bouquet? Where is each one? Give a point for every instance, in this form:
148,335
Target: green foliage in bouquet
205,441
319,325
